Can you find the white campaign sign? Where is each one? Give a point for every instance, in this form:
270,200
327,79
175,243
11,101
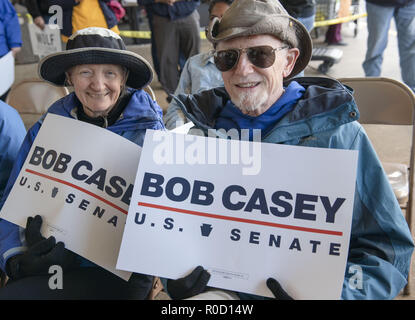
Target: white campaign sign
77,177
290,221
7,68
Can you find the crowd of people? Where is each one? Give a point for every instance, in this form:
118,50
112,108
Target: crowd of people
252,79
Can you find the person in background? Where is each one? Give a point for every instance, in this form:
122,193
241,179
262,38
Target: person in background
334,35
39,10
12,133
304,11
260,49
107,83
379,16
175,32
199,72
10,33
10,36
80,14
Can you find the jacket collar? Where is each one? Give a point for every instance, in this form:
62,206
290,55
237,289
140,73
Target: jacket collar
325,105
140,112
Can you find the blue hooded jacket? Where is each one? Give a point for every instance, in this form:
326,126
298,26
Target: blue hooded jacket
10,34
140,114
12,133
326,116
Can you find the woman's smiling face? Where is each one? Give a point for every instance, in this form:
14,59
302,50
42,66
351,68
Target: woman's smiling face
97,86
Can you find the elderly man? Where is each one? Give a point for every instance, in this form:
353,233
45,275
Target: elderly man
259,47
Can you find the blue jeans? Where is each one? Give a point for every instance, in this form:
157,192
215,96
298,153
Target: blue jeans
378,23
308,22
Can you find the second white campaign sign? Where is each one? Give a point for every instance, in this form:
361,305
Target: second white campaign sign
245,211
79,178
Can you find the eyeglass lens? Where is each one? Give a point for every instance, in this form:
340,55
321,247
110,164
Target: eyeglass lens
261,56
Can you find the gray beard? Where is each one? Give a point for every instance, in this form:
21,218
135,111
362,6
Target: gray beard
246,103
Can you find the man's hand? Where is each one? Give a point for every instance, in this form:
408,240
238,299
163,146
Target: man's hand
40,22
277,290
190,285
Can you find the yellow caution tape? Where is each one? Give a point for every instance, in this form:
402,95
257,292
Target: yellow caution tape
146,34
124,33
136,34
339,20
29,17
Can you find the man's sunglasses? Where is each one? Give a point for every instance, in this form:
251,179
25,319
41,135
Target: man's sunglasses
261,57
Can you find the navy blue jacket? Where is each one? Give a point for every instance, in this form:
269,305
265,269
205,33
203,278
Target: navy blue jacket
178,10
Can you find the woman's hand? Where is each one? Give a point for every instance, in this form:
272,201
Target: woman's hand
40,255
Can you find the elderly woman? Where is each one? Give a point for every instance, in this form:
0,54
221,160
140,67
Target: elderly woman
107,81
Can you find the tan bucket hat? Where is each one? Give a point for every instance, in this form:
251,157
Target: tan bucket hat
253,17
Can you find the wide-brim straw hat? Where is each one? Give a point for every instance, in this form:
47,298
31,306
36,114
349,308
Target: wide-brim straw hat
255,17
95,46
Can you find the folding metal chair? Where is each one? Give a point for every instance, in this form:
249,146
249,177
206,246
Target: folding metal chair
387,112
32,97
150,92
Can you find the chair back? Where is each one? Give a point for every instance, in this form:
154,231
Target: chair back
150,92
32,98
387,113
382,100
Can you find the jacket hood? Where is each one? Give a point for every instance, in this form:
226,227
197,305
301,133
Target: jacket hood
324,97
141,111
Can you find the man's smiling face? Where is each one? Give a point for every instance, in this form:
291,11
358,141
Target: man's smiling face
253,89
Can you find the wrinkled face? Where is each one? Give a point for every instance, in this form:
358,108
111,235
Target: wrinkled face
97,86
253,89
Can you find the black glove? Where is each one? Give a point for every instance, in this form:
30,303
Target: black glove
190,285
41,254
277,290
32,232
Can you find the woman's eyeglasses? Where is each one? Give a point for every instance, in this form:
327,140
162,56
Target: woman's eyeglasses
261,57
